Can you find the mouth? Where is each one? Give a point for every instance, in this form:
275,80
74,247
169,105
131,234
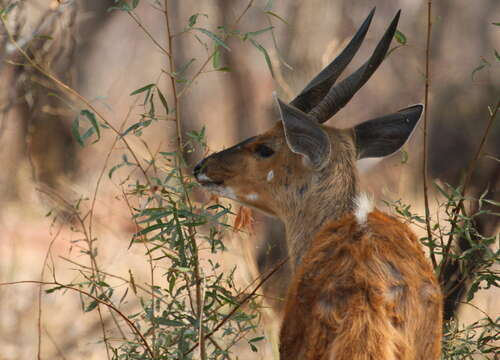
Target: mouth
205,181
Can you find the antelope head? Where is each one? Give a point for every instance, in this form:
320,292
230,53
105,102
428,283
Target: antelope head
300,170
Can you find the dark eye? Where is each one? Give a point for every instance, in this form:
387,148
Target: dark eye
263,150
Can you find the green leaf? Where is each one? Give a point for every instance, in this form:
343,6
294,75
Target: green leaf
167,322
8,9
216,59
75,130
268,6
497,55
135,3
194,18
266,55
400,37
277,16
131,128
114,168
44,37
163,100
87,134
496,23
142,89
51,290
122,5
478,68
492,202
214,37
473,289
151,112
91,306
255,33
184,67
149,229
136,126
93,121
258,338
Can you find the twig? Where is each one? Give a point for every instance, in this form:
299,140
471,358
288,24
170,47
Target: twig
42,273
133,16
83,292
151,272
96,274
467,180
200,328
138,286
180,146
238,19
209,58
75,93
54,343
426,112
241,303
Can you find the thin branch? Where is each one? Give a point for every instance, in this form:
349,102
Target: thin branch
180,146
241,303
467,180
209,58
127,281
426,113
146,31
238,19
151,271
42,273
100,301
54,343
73,92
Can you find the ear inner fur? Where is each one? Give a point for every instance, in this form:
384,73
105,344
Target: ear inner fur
304,136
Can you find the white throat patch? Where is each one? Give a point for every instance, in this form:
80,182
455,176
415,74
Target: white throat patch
364,206
252,197
270,176
224,191
203,177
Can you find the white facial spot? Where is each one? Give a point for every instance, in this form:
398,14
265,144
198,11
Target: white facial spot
203,177
252,197
270,176
364,206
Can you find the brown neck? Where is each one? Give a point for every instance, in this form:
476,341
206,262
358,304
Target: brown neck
330,198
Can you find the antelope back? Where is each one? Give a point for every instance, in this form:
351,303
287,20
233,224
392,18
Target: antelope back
363,291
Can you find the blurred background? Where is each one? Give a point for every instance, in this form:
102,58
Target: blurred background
105,56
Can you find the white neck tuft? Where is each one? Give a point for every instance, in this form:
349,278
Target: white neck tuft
364,206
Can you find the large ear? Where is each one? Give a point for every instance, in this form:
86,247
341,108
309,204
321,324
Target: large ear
385,135
304,136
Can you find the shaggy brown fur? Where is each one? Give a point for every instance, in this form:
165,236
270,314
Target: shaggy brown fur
363,292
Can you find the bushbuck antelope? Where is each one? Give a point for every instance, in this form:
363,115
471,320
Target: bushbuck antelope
362,287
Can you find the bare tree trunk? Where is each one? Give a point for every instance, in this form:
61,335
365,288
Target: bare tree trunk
35,125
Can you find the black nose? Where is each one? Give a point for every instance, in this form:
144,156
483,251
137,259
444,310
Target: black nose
198,167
